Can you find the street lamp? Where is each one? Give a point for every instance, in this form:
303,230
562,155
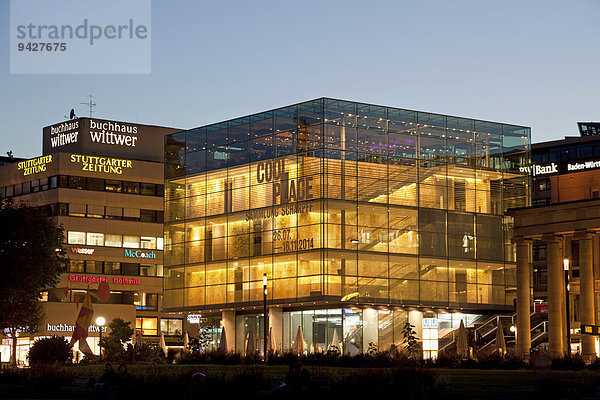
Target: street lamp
266,323
568,311
100,321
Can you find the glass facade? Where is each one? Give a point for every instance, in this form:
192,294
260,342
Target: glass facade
345,203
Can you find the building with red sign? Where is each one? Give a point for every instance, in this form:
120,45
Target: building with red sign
103,182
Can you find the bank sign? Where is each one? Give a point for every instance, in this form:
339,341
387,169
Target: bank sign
560,167
109,138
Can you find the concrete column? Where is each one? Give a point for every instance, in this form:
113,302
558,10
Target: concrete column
586,279
228,318
276,324
523,297
370,328
416,318
556,282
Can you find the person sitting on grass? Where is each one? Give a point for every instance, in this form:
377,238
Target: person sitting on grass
124,380
107,379
298,377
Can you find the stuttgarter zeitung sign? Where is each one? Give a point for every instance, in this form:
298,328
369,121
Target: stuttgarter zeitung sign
106,165
562,167
35,165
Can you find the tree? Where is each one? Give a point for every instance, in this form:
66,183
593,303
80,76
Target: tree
54,349
120,330
410,339
114,344
31,258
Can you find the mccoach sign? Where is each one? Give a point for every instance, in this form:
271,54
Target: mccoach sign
97,279
139,254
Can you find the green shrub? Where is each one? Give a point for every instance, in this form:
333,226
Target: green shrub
213,357
54,349
568,363
447,360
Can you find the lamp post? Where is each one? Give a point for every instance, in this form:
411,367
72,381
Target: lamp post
100,321
568,311
265,318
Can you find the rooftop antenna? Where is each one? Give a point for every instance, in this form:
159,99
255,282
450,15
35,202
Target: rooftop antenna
91,104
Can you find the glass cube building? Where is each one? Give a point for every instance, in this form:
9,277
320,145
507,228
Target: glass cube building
361,216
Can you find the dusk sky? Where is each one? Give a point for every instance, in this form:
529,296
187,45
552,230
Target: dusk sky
533,63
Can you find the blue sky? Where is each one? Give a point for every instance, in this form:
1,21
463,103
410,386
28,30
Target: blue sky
533,63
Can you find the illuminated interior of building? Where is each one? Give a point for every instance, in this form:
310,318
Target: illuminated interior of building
347,208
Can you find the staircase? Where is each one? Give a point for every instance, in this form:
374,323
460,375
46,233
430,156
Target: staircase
482,335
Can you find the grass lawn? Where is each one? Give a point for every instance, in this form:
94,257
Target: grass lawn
459,383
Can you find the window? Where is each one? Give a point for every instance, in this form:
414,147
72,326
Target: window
131,214
112,268
93,267
76,266
147,326
53,182
26,187
171,326
148,216
543,185
595,194
148,189
59,209
76,182
112,240
146,301
112,186
77,210
147,242
63,181
539,252
76,237
540,276
114,212
44,296
159,243
95,184
95,211
95,239
131,242
131,187
147,270
44,183
130,269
